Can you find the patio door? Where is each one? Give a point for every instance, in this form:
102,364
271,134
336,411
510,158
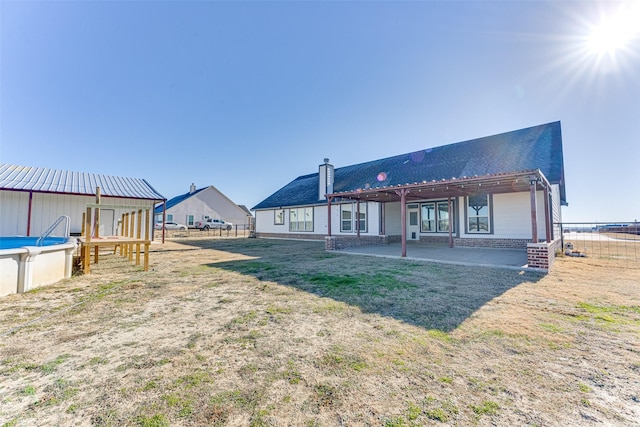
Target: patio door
413,223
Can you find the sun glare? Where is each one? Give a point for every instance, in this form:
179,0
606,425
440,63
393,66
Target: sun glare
616,31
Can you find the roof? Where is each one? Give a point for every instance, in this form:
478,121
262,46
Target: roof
177,200
246,209
46,180
530,149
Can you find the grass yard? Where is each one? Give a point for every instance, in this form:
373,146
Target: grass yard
253,332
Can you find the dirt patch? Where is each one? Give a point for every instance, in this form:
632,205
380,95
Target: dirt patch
266,332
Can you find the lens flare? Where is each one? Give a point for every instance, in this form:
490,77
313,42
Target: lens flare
382,176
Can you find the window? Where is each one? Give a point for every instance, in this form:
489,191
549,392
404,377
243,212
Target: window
348,221
413,218
443,217
190,220
435,217
346,218
169,217
278,217
478,208
428,218
301,219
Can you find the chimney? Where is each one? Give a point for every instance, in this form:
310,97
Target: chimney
325,184
192,189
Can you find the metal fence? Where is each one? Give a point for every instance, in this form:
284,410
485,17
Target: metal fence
612,243
238,230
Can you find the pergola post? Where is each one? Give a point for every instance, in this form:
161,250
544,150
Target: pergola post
403,218
358,217
450,222
329,216
534,214
547,214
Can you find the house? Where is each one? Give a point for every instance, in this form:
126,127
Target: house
501,191
203,203
33,198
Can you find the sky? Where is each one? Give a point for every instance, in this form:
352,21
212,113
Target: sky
249,95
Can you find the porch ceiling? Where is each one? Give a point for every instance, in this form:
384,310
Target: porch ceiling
454,187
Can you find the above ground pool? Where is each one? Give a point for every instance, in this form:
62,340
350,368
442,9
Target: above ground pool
20,241
29,262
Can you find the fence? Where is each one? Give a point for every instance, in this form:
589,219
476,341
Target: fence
611,243
238,230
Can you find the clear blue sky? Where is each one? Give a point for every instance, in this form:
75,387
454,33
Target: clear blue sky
249,95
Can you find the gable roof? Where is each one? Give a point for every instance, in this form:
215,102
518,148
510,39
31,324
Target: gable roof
177,200
46,180
245,209
535,148
181,198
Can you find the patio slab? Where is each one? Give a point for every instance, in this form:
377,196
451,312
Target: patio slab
442,253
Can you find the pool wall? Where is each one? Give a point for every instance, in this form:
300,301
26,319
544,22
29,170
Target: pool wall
29,267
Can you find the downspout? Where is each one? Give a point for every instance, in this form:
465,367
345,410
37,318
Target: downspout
29,213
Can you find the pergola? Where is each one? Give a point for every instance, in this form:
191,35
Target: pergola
531,180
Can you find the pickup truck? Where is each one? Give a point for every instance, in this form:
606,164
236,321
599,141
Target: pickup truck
213,223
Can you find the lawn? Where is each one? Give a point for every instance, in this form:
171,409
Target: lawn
255,332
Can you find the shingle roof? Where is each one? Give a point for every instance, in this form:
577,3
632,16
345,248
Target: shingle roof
178,199
46,180
537,147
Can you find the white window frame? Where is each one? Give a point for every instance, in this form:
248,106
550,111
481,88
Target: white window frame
295,222
437,224
349,223
278,217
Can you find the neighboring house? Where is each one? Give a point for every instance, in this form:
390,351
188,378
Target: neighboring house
33,198
498,191
203,203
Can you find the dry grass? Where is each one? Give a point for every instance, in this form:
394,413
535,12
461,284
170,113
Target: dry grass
264,332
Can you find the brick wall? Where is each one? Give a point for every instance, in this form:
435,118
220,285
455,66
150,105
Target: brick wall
301,236
479,243
342,242
542,255
492,243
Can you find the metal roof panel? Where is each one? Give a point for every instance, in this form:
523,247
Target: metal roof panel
47,180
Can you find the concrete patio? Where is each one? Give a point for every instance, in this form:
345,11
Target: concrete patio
442,253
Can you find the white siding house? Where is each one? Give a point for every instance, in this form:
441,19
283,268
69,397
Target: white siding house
503,190
32,199
203,203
